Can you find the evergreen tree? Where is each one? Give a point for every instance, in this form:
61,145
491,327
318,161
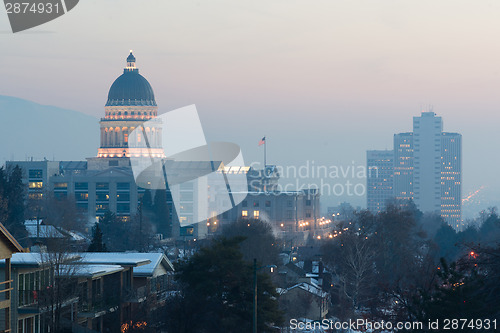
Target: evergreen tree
162,214
467,289
147,200
217,293
259,241
114,231
97,244
12,194
446,240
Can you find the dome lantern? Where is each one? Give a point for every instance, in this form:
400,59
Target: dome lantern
131,88
130,63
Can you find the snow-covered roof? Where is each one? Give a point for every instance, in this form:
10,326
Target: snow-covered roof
75,235
89,271
33,259
315,290
43,231
33,222
50,231
295,268
133,259
148,269
25,259
144,263
310,275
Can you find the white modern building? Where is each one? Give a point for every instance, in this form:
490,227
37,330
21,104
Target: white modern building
427,131
428,168
403,166
451,179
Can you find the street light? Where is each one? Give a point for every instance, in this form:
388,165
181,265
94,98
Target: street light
255,269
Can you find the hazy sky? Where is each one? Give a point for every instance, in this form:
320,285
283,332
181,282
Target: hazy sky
323,80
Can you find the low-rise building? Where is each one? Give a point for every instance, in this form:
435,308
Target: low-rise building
305,300
100,295
86,292
33,295
8,246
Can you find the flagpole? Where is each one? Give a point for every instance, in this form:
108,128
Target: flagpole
265,152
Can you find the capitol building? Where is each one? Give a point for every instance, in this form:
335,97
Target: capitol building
106,182
131,101
130,131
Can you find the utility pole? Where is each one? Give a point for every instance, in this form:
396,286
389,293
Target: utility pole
255,269
254,295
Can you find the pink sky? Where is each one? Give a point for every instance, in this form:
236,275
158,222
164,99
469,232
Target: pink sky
325,79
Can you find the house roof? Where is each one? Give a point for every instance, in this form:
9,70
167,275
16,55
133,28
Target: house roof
114,258
296,269
32,259
50,231
9,240
24,260
89,271
43,231
144,263
148,269
315,290
76,236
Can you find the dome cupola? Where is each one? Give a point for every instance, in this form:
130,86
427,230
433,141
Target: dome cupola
131,88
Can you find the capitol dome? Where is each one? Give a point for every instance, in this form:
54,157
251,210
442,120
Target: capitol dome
131,88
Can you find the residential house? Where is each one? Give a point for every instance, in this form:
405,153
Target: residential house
123,288
8,246
305,300
33,295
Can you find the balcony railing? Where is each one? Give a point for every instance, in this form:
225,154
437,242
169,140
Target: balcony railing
99,304
136,295
159,293
5,288
31,298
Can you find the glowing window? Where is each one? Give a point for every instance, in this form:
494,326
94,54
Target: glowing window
244,213
81,196
35,184
35,196
256,214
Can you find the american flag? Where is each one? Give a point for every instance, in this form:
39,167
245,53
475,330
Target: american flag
262,141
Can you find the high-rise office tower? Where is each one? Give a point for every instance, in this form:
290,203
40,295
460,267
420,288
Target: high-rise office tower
428,168
451,179
403,166
379,181
427,131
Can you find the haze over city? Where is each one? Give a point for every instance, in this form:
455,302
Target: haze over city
323,81
215,166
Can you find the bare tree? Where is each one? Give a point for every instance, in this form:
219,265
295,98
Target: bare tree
61,290
60,212
352,260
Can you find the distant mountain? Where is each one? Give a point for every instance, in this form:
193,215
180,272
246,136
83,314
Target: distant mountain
40,131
